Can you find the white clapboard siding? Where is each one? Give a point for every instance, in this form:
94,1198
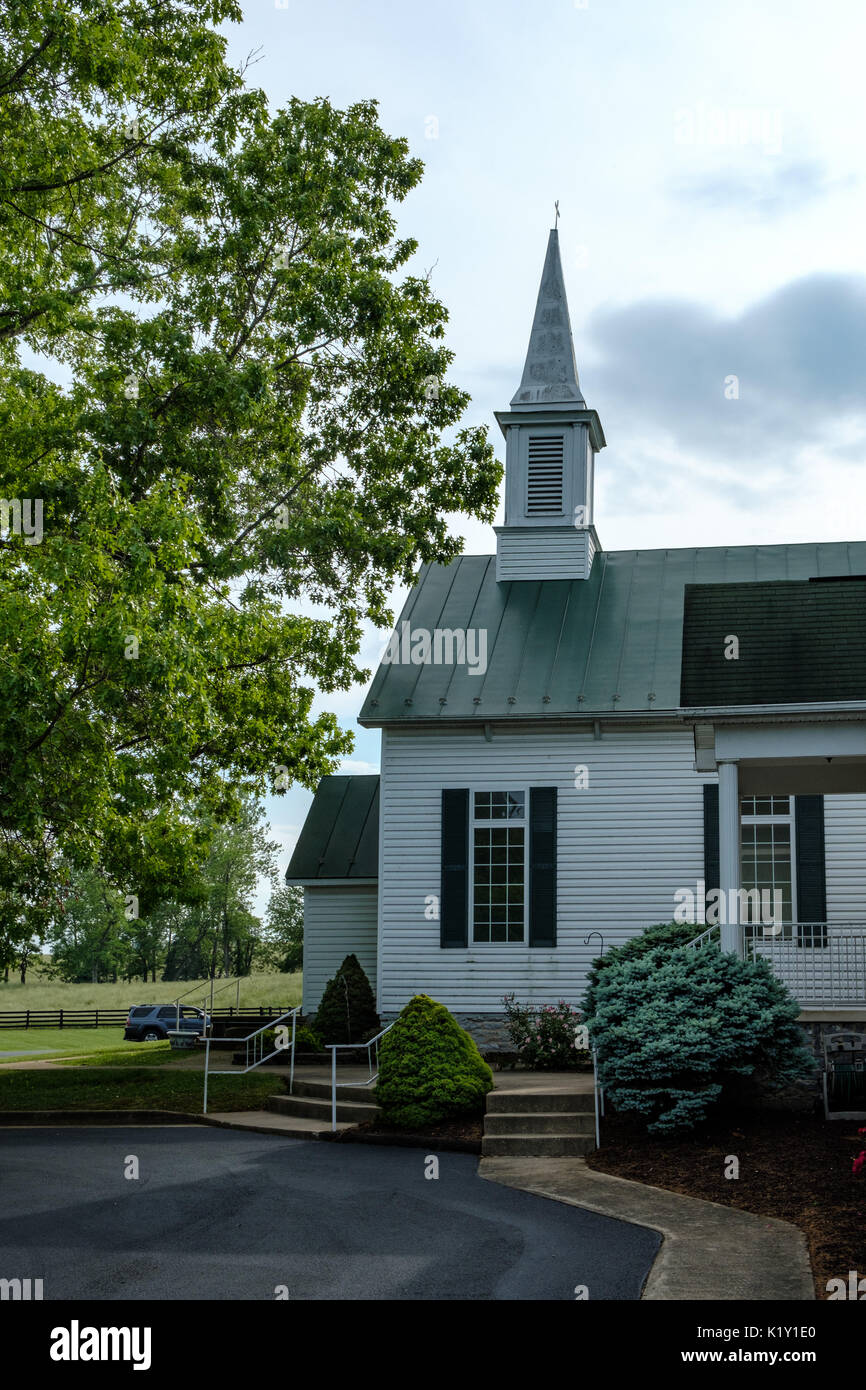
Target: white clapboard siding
550,552
845,852
626,843
337,922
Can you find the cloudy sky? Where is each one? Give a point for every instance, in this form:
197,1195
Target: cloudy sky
709,168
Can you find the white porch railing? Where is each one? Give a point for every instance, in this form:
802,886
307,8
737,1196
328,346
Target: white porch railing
823,964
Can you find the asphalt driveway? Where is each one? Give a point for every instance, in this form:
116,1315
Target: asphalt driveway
216,1214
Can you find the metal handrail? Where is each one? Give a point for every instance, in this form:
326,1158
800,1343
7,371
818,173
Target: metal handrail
704,939
598,1097
205,1009
333,1048
257,1061
208,1009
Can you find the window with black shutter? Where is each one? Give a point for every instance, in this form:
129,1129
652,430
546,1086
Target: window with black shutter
498,867
454,905
542,866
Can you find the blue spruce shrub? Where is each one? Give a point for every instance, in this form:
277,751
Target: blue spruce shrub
662,934
674,1027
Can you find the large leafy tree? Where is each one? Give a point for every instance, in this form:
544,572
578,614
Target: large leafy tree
229,395
89,939
282,945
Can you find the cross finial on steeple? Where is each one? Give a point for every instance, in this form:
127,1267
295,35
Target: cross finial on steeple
556,205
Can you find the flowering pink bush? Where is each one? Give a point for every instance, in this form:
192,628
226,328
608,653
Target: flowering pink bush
860,1161
545,1035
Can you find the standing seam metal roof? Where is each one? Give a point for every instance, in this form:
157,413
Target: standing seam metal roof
570,647
340,836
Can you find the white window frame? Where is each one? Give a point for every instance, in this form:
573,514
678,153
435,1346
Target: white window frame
497,825
776,818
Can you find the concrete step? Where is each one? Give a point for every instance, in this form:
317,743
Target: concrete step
266,1122
537,1145
540,1102
535,1122
321,1090
317,1108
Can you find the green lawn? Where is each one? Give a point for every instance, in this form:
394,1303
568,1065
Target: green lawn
130,1055
128,1088
66,1042
263,988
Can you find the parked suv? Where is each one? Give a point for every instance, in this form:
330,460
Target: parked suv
151,1022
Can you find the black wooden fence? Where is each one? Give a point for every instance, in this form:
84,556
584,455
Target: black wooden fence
105,1018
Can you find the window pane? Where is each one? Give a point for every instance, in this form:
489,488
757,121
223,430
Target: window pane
500,805
766,865
499,877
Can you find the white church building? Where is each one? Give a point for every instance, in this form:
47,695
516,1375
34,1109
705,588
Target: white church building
577,742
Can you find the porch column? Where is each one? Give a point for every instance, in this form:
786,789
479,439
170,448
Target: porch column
729,858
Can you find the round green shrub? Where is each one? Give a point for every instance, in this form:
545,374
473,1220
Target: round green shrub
306,1039
347,1013
674,1028
429,1068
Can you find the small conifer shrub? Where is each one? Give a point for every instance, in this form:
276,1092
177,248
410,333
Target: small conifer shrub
347,1013
429,1068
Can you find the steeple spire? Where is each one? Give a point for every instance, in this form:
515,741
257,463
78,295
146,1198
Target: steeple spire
550,371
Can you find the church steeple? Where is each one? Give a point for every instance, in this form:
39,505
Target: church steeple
550,370
552,438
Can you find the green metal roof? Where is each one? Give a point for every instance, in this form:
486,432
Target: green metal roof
340,837
798,642
572,647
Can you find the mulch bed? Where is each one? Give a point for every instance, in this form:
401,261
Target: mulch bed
794,1167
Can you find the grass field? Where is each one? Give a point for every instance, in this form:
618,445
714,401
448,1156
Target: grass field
129,1088
59,1042
263,988
131,1055
83,1047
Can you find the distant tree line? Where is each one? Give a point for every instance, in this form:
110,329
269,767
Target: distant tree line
95,932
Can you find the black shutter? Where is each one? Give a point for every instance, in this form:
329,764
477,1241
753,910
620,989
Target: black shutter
454,907
542,866
711,839
811,871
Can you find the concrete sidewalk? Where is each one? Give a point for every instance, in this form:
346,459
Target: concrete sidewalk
708,1252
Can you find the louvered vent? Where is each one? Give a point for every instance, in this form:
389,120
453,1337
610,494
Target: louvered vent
545,481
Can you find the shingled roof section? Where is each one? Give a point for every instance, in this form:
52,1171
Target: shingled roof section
576,647
797,643
340,837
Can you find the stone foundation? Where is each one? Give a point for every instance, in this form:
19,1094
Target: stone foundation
488,1030
816,1032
